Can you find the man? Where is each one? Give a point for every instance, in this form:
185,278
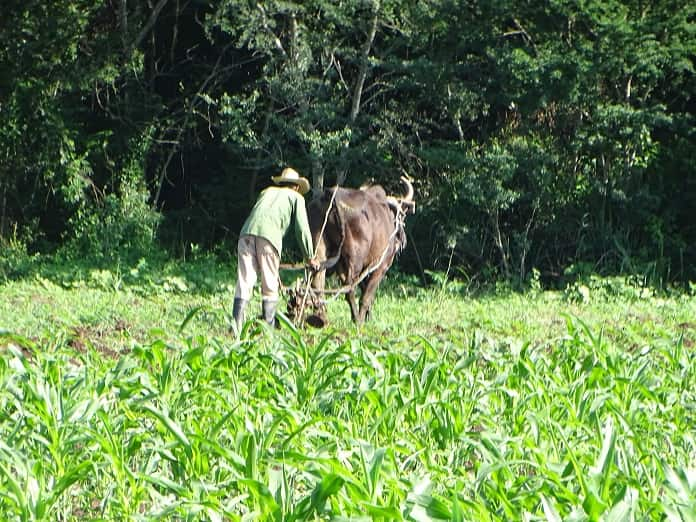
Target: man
261,242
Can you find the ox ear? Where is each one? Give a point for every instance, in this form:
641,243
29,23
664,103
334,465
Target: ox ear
409,207
399,205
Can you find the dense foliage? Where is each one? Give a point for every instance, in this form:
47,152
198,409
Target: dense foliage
556,136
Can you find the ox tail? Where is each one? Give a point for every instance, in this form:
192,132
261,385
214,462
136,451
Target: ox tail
329,263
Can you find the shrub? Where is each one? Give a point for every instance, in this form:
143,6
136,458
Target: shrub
15,259
116,227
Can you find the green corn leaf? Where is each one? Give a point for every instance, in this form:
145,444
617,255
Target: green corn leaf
192,313
171,425
327,487
457,508
624,508
600,473
17,492
374,471
550,511
165,483
432,508
382,512
593,505
251,460
262,494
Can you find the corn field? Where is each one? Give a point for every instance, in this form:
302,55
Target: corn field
286,426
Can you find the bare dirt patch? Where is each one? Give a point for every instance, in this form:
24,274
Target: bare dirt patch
103,339
688,331
27,346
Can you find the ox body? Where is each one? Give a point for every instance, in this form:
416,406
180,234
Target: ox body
358,234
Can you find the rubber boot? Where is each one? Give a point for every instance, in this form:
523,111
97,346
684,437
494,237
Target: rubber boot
268,309
238,312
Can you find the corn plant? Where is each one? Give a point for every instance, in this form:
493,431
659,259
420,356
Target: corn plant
290,425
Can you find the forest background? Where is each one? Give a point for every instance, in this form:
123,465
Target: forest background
545,139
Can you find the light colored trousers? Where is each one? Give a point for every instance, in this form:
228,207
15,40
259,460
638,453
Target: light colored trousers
256,255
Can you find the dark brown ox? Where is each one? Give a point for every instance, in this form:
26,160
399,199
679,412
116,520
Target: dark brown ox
362,231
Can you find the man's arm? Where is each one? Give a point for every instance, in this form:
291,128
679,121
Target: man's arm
302,230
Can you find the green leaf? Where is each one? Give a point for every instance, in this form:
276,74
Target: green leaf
382,512
600,473
550,511
261,492
329,485
192,313
171,425
165,483
678,481
625,508
18,496
375,468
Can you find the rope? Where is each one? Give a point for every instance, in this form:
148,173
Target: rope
314,254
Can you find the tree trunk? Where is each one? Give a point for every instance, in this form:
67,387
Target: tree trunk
317,175
293,53
603,218
525,243
3,211
175,33
360,82
149,24
123,22
498,238
364,63
184,125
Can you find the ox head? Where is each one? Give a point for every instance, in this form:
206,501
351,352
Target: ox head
401,206
405,203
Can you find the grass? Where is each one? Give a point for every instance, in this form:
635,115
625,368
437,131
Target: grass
123,397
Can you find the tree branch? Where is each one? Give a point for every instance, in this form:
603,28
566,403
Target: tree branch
266,28
187,117
519,30
150,24
364,63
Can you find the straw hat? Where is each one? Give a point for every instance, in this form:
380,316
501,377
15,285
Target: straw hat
291,177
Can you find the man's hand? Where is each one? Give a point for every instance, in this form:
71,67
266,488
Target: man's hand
314,264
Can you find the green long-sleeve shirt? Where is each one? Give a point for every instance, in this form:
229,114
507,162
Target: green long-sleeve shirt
274,211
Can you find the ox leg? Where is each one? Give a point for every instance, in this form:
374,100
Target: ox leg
347,271
319,283
368,294
354,315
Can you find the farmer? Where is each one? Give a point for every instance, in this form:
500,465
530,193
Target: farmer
261,242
